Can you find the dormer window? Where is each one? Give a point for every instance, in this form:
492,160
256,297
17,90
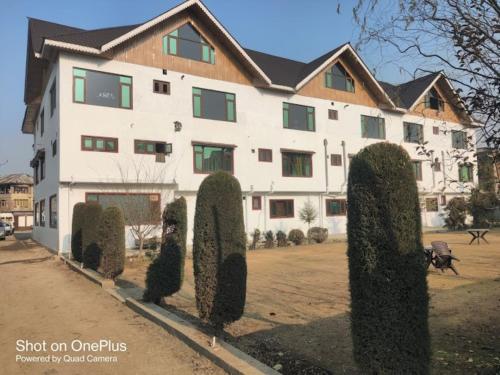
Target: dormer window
188,43
434,101
337,78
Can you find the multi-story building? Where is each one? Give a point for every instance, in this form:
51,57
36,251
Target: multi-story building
16,200
143,113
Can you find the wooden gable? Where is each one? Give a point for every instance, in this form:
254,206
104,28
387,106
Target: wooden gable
362,95
147,49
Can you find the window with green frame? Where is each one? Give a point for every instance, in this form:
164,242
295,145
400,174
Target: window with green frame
417,169
413,133
102,144
459,139
102,89
211,158
187,42
296,164
337,78
299,117
465,173
214,105
372,127
336,207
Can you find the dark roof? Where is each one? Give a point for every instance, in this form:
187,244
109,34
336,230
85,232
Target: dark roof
40,29
405,94
287,72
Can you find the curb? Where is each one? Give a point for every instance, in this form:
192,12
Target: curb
89,274
223,355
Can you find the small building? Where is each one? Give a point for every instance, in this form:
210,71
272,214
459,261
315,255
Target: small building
16,200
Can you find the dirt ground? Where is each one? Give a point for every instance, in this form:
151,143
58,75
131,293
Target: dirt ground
297,311
41,299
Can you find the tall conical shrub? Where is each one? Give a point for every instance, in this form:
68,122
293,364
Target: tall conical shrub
219,247
91,219
389,300
76,231
166,274
111,242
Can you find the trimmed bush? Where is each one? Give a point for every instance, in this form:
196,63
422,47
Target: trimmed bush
281,239
76,231
296,236
456,214
269,237
219,247
481,206
91,220
255,239
111,242
317,234
166,273
389,300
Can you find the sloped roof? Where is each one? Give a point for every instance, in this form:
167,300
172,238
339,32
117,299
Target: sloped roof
40,29
405,94
16,179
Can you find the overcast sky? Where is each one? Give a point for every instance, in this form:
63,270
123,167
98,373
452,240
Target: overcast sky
297,29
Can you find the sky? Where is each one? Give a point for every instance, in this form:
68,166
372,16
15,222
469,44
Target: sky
296,29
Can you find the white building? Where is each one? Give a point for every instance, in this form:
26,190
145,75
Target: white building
176,98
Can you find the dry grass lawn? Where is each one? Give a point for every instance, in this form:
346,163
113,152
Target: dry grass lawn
297,311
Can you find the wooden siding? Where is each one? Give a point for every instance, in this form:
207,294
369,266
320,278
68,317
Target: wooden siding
450,113
147,49
316,88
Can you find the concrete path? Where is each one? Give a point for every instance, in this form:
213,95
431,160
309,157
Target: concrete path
42,300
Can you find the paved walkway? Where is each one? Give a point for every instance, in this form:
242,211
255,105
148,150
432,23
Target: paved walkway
42,299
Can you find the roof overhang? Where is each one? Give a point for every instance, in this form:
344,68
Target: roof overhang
29,120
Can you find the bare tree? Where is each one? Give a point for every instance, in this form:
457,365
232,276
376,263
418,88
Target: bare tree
308,213
460,37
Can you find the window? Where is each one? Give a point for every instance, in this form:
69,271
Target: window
214,105
413,133
137,208
336,207
296,164
53,211
35,173
265,154
436,165
435,130
333,114
212,158
443,200
53,99
102,144
42,122
298,117
257,203
3,203
431,204
372,127
281,208
417,169
458,139
187,42
160,149
336,160
36,214
161,87
21,203
102,89
42,168
337,78
42,213
54,147
433,100
465,173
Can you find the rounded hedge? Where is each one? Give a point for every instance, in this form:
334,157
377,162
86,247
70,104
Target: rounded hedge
166,273
111,242
219,247
296,236
317,234
76,231
91,220
389,299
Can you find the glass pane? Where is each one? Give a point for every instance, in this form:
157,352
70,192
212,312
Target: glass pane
79,72
99,144
190,50
110,145
102,89
150,148
165,45
196,91
127,80
328,79
196,106
79,90
230,111
87,143
212,56
92,197
172,46
285,117
205,53
310,121
214,105
174,33
298,117
198,161
125,96
188,32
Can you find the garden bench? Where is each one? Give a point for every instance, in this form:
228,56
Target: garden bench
441,257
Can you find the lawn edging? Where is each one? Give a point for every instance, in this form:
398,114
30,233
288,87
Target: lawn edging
92,275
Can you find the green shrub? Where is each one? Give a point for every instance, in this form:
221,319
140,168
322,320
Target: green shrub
281,239
111,242
481,206
166,273
296,236
91,219
455,214
255,239
389,300
269,237
317,234
76,231
219,247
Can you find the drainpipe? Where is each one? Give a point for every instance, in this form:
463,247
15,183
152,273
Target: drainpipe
344,161
433,172
325,144
443,170
70,254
